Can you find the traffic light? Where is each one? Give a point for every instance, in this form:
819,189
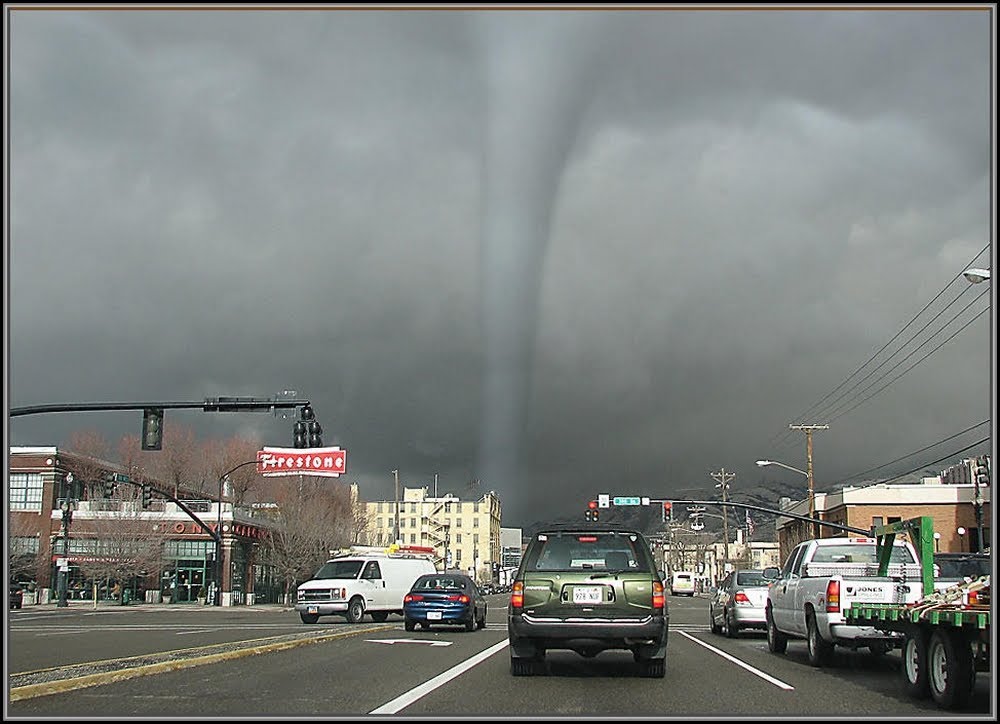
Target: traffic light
668,511
983,470
315,434
299,434
147,494
592,514
152,428
109,485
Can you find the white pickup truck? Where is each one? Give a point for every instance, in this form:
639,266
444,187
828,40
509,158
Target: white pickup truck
821,579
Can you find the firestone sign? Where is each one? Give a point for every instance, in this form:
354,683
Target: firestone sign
326,461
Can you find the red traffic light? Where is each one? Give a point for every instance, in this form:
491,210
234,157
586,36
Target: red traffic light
667,505
592,504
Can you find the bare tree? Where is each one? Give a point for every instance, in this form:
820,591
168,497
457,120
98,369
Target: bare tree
128,542
25,552
313,517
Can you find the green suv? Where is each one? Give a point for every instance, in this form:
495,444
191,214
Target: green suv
587,589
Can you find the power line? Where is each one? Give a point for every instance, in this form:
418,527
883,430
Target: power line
916,452
934,462
783,436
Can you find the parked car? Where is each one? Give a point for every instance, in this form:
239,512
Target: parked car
682,582
444,598
739,602
16,596
587,590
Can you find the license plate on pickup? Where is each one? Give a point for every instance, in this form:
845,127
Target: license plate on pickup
312,609
587,594
433,615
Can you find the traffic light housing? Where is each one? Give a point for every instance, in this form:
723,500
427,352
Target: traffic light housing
307,432
592,514
152,428
315,434
668,511
147,494
109,485
982,472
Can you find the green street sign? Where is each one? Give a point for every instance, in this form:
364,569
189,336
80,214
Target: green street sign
627,501
120,478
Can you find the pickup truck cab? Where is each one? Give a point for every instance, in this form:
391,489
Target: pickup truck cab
820,581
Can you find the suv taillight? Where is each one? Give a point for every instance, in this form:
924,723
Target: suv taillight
517,595
742,598
658,599
833,596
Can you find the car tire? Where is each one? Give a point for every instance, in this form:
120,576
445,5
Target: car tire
379,616
309,617
481,623
355,610
409,624
523,667
914,663
732,628
654,668
951,669
716,628
470,625
777,642
819,650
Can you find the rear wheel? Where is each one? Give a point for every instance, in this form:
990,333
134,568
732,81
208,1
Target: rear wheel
380,616
481,623
654,668
409,624
470,625
818,649
915,663
951,669
716,628
732,628
777,642
355,610
309,617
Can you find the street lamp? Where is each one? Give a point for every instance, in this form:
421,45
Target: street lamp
395,505
812,498
937,542
975,276
961,537
218,533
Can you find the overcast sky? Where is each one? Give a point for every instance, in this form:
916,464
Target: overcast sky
567,253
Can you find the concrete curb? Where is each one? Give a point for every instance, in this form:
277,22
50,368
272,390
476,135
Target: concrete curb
31,691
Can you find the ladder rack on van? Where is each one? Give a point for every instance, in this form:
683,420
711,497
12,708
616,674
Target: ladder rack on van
392,551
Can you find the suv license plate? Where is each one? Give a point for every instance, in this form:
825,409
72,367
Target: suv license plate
590,594
312,609
433,615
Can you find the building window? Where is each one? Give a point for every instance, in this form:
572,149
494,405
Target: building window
380,508
402,522
458,522
25,491
413,522
475,522
458,537
458,555
413,537
413,507
893,519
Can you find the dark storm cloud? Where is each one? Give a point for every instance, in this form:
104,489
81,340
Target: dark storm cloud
742,208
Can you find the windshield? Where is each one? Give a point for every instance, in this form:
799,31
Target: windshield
586,551
438,583
339,569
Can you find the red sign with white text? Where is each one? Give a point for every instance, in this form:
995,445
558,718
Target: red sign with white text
327,461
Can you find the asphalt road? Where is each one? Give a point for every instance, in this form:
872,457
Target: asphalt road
263,662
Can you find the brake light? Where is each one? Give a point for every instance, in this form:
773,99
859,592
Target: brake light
460,597
517,595
658,599
742,598
833,596
409,597
587,538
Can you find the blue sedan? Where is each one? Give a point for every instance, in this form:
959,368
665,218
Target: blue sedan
446,599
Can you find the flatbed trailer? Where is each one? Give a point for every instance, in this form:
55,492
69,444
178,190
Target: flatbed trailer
947,633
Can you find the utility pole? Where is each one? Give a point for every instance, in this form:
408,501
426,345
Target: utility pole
723,477
809,468
395,503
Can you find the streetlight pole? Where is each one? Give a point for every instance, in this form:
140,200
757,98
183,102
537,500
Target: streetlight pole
67,515
395,505
218,533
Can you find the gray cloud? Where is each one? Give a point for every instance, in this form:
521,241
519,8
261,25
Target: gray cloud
736,209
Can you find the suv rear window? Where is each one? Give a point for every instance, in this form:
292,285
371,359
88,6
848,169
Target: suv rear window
585,551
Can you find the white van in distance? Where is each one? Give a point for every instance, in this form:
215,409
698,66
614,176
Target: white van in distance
682,582
363,579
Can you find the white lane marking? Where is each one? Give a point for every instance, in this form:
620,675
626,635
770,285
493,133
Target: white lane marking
409,641
404,700
198,631
752,670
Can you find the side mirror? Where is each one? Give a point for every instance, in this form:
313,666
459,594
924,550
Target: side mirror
772,574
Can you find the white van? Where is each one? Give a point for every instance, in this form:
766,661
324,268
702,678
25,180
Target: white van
682,582
363,580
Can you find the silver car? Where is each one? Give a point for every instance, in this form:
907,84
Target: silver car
738,603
